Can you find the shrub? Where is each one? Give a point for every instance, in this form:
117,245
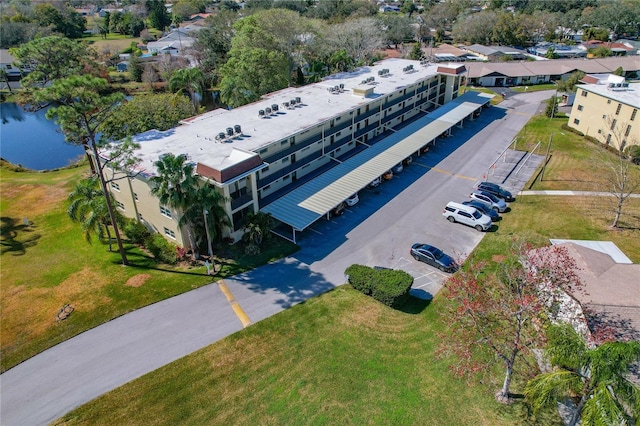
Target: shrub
387,286
633,151
136,232
161,249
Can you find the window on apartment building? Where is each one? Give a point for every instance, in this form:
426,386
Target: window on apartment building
285,160
608,101
140,216
584,93
626,133
633,114
169,233
580,107
120,205
115,186
576,121
608,138
165,211
613,124
618,109
284,142
135,196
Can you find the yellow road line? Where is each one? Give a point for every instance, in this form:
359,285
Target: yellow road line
240,313
446,172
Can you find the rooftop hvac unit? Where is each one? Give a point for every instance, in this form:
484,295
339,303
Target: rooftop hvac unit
229,131
341,86
237,129
363,82
286,104
298,100
267,110
261,113
292,102
336,88
625,84
274,107
221,136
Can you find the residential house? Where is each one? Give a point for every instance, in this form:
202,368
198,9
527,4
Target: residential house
611,296
606,108
490,74
173,43
496,53
6,64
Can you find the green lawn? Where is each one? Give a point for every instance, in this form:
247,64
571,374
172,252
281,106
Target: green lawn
339,359
49,264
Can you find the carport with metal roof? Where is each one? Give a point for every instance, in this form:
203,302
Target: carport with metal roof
309,202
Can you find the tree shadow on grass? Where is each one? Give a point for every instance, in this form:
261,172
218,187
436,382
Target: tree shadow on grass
414,305
17,236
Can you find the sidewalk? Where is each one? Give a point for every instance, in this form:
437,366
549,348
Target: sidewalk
574,193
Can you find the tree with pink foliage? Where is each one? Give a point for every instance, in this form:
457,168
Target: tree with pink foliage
499,316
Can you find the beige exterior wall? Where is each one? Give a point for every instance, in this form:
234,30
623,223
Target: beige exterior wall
593,114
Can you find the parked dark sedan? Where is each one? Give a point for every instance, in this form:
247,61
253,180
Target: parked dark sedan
496,190
484,209
433,256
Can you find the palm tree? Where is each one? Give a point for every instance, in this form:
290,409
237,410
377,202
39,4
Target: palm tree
189,79
207,201
597,378
176,186
89,207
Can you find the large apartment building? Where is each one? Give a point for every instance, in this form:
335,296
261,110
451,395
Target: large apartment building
606,108
260,155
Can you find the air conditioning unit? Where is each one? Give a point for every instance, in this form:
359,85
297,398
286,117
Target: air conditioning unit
298,100
229,131
261,114
220,136
292,102
267,111
274,107
237,129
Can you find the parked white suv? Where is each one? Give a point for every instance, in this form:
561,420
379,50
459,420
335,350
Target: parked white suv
456,212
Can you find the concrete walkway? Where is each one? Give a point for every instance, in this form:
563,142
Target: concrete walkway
574,193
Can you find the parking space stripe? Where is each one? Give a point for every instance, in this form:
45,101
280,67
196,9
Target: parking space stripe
446,172
242,316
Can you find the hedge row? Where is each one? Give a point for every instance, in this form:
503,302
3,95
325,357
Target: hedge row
387,286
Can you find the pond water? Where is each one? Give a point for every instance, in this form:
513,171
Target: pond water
29,139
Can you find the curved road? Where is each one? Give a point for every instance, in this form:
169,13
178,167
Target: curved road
377,231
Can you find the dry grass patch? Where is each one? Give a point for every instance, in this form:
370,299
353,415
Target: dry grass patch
30,312
137,280
32,200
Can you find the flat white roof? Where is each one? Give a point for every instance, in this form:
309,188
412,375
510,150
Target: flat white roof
626,95
196,137
310,201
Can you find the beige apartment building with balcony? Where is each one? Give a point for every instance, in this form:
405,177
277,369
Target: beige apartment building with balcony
606,108
259,156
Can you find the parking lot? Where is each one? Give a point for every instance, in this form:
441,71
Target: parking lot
380,229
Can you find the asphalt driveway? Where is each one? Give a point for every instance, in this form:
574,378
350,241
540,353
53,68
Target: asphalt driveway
379,230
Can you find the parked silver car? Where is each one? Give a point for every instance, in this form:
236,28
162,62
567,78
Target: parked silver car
492,201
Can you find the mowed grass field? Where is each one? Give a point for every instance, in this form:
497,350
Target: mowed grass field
49,264
337,359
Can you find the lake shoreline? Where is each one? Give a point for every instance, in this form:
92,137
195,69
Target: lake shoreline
19,168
